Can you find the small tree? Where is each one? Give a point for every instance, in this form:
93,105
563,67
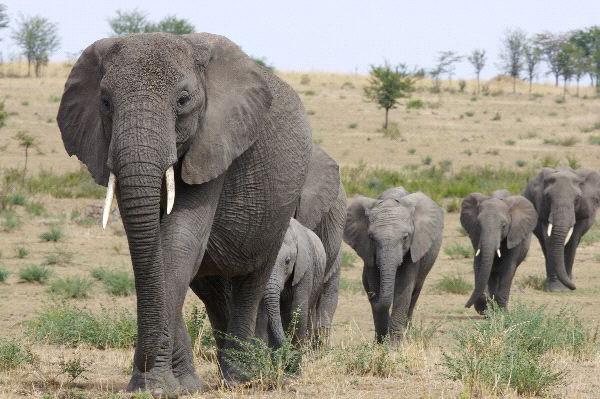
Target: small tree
38,38
128,22
171,24
477,59
550,45
3,17
387,84
532,57
589,41
26,141
445,64
511,54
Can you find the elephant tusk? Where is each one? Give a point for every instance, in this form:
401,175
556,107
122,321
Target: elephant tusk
170,177
569,235
549,229
110,192
498,252
477,253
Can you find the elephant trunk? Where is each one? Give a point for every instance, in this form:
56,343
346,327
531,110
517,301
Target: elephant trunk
489,245
556,252
387,279
272,300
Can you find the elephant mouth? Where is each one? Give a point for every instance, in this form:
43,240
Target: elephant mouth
567,238
112,183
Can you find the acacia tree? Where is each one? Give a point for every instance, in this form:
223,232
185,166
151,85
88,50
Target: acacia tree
589,41
387,84
26,141
3,17
550,45
477,59
511,54
171,24
532,57
446,61
136,21
38,38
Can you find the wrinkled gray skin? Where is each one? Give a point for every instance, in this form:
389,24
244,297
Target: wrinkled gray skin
240,144
565,198
294,286
398,236
501,222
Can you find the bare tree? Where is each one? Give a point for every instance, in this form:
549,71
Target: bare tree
532,56
3,17
511,54
477,58
446,61
38,38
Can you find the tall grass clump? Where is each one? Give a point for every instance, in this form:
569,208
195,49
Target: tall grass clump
116,282
35,274
13,355
511,350
454,284
10,220
68,325
54,234
71,287
3,274
458,251
201,334
369,358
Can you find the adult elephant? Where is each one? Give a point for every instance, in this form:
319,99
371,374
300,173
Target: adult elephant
566,201
158,116
398,236
500,228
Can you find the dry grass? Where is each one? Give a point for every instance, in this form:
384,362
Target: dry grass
348,128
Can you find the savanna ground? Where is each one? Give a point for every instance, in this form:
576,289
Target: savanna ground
442,143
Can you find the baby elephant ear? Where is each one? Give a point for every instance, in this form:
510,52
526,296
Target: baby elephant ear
428,219
469,210
311,254
79,112
237,104
357,225
523,219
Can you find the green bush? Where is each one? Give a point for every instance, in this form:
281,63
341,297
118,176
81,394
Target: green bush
348,259
59,257
458,251
3,274
10,220
565,142
370,359
201,334
506,351
3,115
71,287
35,208
469,114
35,274
16,199
65,324
453,284
54,234
13,355
352,125
22,252
594,139
415,103
116,282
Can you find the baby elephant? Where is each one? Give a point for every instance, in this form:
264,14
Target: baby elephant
294,286
500,229
398,236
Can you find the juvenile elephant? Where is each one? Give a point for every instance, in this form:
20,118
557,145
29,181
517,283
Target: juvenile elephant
294,287
158,116
566,201
500,228
398,236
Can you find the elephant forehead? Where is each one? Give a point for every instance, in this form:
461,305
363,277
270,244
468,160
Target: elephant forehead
388,213
493,205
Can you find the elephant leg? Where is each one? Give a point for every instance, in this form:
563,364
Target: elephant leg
327,304
404,287
262,323
507,270
581,227
300,305
215,293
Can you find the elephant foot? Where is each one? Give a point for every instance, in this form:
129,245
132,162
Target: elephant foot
159,383
190,383
555,286
232,377
481,305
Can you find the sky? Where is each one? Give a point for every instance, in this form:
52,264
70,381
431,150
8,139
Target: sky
326,35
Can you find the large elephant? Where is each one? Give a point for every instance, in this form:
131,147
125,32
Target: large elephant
157,116
398,236
294,287
500,228
566,201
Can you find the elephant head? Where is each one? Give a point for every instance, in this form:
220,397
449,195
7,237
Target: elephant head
561,197
144,111
385,231
490,221
300,252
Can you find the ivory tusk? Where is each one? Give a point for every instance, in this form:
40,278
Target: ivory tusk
569,235
549,229
110,192
477,253
170,178
498,252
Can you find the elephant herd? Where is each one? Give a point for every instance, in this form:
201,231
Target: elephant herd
221,190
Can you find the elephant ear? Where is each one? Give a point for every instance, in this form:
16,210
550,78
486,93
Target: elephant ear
428,219
78,116
237,105
523,219
534,191
357,227
320,190
469,211
590,189
395,193
310,252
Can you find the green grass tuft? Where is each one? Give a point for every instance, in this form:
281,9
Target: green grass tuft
3,274
14,355
78,184
454,284
565,142
54,234
116,283
10,220
22,252
71,287
458,251
35,274
17,198
534,282
59,257
370,359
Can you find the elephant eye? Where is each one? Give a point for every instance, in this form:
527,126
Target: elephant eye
405,236
287,260
183,99
104,104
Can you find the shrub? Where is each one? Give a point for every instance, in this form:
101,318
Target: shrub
35,274
35,208
415,103
116,282
458,251
455,284
22,252
520,163
3,114
497,116
595,126
427,160
392,132
469,114
462,86
68,325
505,351
510,142
3,274
10,220
59,257
16,199
309,93
54,234
369,359
535,282
421,334
13,355
560,100
573,162
565,142
352,125
71,287
201,334
411,151
594,139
